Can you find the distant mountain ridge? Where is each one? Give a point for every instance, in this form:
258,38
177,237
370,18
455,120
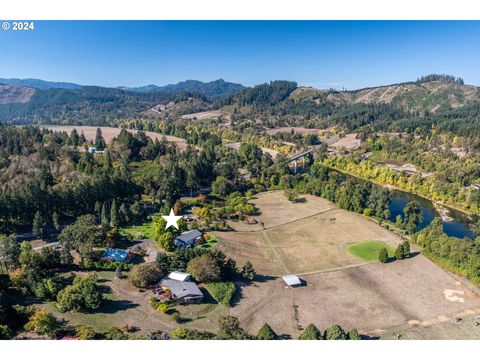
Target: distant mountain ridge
212,89
40,84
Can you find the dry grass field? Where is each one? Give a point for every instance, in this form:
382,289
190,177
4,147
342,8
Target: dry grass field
110,132
349,142
214,114
402,296
373,298
300,238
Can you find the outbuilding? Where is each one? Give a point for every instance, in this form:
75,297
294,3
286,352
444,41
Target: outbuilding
120,255
179,276
292,280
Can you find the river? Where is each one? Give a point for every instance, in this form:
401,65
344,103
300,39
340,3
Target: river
460,226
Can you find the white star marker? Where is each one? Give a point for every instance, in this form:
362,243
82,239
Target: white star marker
172,219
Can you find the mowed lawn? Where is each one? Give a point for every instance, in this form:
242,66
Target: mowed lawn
369,250
143,231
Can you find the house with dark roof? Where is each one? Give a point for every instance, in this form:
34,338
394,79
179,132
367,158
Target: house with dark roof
188,239
119,255
184,292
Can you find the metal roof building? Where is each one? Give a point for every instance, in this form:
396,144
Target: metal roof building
292,280
179,276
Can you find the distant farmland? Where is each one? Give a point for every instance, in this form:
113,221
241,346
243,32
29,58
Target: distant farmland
110,132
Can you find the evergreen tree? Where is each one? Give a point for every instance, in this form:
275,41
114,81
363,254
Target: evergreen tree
406,249
354,335
399,252
74,138
335,332
82,140
311,332
248,272
99,140
98,208
9,253
56,221
105,221
266,333
413,216
114,218
124,212
39,225
383,255
107,160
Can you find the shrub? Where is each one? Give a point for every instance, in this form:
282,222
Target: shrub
311,332
229,329
222,292
181,333
164,307
43,323
248,272
85,332
144,275
353,335
114,333
266,333
204,268
175,316
335,332
104,265
83,294
5,332
158,335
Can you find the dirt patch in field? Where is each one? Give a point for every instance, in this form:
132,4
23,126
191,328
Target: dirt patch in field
236,147
110,132
349,142
215,114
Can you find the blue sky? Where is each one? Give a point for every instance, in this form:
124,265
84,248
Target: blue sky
350,54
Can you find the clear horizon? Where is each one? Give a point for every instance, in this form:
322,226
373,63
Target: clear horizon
321,54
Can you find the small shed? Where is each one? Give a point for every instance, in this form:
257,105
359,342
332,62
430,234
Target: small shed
188,239
120,255
179,276
292,280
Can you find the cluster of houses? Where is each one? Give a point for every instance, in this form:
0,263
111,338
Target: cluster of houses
186,240
178,286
